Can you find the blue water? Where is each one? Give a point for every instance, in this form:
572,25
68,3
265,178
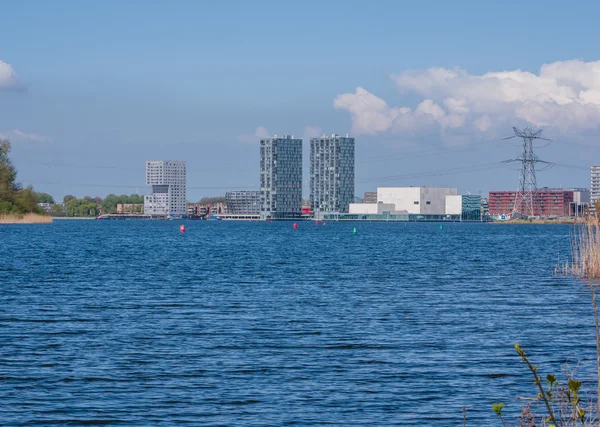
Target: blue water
249,324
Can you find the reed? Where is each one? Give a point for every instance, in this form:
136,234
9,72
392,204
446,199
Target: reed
30,218
585,251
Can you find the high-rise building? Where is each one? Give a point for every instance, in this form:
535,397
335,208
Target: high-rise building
594,186
331,173
243,202
280,177
168,181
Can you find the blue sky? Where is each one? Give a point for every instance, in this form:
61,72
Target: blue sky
101,87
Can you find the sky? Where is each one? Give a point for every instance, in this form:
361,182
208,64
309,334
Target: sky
91,90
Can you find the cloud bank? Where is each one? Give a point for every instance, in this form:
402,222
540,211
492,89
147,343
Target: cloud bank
564,94
259,133
262,132
8,78
18,135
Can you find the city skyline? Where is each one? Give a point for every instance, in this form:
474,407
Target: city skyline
74,102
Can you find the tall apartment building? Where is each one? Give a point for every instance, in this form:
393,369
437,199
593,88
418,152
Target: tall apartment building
280,177
594,186
331,173
243,202
168,181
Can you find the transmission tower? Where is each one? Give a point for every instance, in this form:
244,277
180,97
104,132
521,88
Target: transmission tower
524,198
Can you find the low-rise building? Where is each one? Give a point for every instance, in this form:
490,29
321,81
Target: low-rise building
130,208
416,200
370,197
217,209
196,210
467,206
243,202
46,207
547,202
374,208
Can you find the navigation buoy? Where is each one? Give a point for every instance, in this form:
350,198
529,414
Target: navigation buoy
295,226
354,231
441,227
324,223
182,228
316,222
270,221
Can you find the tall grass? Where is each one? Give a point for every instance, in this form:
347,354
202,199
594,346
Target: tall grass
585,251
30,218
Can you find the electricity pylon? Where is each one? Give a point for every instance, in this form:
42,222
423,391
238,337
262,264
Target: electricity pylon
527,189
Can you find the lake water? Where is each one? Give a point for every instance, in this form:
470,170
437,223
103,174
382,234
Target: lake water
249,324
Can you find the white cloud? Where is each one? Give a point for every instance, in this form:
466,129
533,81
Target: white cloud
18,135
311,132
564,94
259,133
9,78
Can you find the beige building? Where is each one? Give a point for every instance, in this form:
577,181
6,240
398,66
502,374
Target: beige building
130,208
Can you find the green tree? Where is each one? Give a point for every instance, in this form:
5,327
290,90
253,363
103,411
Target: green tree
13,198
81,208
26,201
44,198
8,174
68,197
57,210
211,200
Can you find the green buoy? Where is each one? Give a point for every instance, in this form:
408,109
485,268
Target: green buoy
441,227
354,231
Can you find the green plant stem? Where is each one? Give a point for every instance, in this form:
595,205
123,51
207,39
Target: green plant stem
538,381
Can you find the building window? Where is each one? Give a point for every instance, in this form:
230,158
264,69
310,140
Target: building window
427,202
416,202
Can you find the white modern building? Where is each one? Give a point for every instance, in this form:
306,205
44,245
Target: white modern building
331,173
594,186
416,200
373,208
280,177
168,181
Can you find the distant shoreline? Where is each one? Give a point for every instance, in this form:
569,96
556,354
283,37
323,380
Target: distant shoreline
74,217
540,221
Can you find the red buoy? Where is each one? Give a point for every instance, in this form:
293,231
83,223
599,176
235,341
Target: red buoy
316,222
182,228
295,226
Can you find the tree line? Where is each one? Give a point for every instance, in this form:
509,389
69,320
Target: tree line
14,199
94,206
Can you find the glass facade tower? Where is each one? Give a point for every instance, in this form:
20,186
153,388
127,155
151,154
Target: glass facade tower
331,174
280,177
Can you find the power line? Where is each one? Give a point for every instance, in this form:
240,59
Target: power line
450,171
138,186
427,152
